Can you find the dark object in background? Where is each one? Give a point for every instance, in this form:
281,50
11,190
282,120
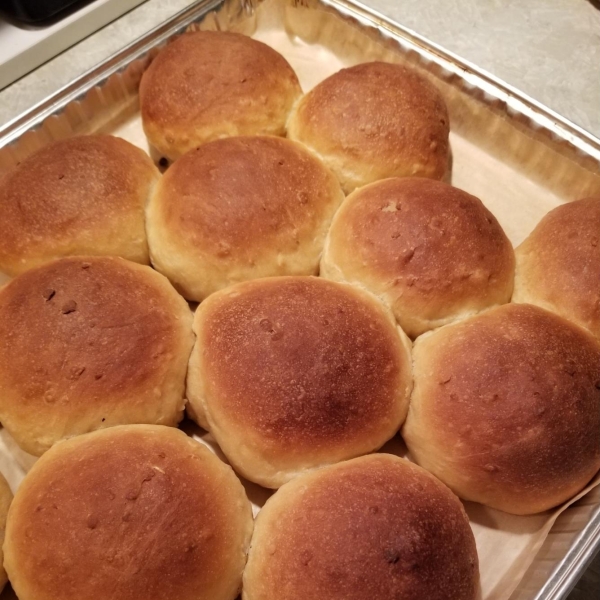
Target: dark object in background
34,10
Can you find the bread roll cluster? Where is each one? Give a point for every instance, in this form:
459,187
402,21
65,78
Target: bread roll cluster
296,376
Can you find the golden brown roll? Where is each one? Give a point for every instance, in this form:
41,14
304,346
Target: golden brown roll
87,343
5,500
238,209
292,373
372,528
373,121
558,265
83,195
128,513
430,251
506,408
211,84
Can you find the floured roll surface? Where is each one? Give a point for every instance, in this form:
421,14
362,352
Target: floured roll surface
558,265
128,513
80,196
372,121
372,528
293,373
238,209
430,251
506,408
5,500
208,85
87,343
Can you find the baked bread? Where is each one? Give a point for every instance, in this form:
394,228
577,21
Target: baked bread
505,408
82,195
430,251
240,208
5,500
558,265
212,84
128,513
373,528
372,121
87,343
292,373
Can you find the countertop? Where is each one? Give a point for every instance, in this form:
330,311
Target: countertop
550,49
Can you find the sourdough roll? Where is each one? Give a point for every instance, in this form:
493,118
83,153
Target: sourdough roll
506,408
5,500
208,85
430,251
128,513
292,373
82,195
87,343
372,121
558,265
238,209
372,528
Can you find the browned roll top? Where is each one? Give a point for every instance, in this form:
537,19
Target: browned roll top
558,265
372,528
5,500
301,361
432,251
82,326
240,208
375,120
207,84
83,195
233,196
431,236
506,408
128,513
90,342
292,373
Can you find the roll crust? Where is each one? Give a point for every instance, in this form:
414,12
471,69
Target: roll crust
212,84
372,121
558,265
79,196
294,373
128,513
506,408
238,209
372,528
87,343
5,500
430,251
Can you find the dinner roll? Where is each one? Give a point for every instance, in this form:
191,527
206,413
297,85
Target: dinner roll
238,209
5,500
430,251
212,84
373,121
292,373
128,513
372,528
506,408
83,195
87,343
558,265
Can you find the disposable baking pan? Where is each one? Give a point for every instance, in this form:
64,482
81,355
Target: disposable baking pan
519,157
